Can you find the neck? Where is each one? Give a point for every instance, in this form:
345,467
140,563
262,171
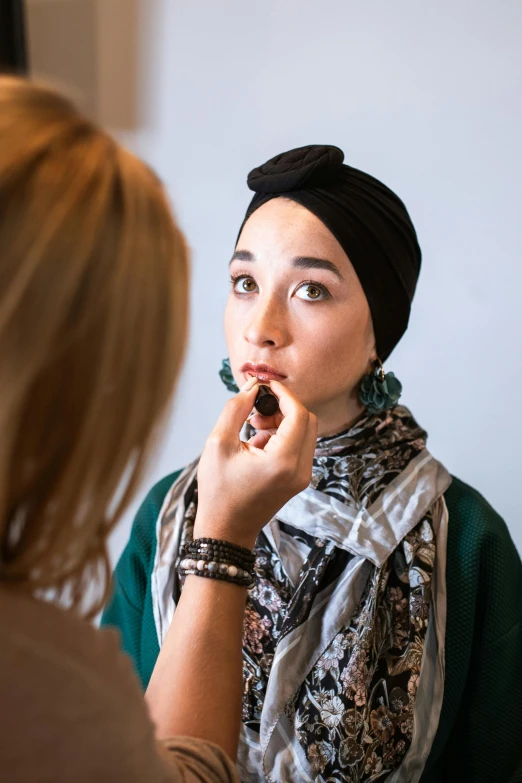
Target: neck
335,417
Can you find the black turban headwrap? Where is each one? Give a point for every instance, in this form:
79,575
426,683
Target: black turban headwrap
368,220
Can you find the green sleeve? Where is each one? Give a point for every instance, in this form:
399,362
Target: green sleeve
130,607
487,738
481,722
490,726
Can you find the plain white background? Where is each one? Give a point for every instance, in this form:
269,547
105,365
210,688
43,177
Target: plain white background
425,96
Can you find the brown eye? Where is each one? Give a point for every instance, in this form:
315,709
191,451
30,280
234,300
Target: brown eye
244,285
310,292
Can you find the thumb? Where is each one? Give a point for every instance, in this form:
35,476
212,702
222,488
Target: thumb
237,410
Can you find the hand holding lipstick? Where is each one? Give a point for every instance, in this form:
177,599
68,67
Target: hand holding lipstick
265,421
242,485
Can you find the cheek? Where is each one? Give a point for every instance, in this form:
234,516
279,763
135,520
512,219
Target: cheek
340,350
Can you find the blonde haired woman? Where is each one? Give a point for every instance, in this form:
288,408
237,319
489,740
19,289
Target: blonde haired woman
93,312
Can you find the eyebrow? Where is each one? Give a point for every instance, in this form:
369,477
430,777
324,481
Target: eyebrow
309,262
242,255
301,262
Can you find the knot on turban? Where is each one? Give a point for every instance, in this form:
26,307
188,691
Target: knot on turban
303,167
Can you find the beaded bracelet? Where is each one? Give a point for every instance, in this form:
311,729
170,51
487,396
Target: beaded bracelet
214,559
222,551
225,546
196,553
213,570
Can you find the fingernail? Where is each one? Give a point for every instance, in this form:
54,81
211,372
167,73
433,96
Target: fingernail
252,381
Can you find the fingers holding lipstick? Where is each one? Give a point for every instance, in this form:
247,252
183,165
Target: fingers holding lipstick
261,438
259,422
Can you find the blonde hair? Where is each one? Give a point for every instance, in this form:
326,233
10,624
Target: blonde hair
93,315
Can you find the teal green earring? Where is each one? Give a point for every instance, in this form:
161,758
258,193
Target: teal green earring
379,391
226,376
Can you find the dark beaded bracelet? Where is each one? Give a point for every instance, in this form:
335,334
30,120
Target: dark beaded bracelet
223,560
220,571
215,559
212,549
231,580
217,555
216,548
227,544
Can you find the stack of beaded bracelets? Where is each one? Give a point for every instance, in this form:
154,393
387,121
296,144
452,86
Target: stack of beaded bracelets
218,560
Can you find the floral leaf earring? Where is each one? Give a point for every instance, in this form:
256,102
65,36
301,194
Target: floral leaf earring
379,391
226,376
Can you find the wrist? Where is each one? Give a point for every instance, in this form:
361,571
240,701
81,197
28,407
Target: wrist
217,586
223,530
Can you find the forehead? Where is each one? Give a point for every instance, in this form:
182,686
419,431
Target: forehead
286,229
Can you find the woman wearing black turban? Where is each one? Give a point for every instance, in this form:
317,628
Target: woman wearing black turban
383,636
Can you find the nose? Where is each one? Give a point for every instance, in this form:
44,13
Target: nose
266,327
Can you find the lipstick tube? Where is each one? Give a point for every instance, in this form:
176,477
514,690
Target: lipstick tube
266,403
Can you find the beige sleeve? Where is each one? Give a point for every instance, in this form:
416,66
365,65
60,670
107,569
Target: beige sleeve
71,708
193,760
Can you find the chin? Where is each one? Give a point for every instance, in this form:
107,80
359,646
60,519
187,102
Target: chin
303,395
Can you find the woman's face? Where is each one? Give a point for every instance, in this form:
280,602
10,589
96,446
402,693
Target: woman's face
297,312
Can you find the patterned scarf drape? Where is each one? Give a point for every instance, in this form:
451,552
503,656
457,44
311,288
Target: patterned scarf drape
352,712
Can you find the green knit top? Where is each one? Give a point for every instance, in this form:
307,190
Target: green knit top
479,737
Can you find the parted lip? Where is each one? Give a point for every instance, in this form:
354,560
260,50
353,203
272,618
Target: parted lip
264,370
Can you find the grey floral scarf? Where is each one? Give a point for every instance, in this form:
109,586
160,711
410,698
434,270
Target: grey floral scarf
332,661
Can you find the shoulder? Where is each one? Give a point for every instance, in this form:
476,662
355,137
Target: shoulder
484,572
134,565
40,635
58,668
473,523
156,496
142,533
468,503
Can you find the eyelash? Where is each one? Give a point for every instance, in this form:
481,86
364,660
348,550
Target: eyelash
326,294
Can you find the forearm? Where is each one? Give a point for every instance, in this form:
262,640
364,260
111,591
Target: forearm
195,688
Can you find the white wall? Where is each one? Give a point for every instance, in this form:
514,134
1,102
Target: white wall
425,96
